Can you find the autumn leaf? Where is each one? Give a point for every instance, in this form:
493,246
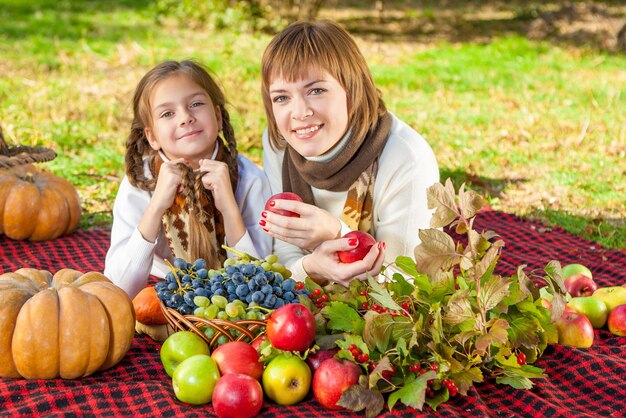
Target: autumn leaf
458,309
493,291
377,331
523,331
466,378
381,295
358,398
443,199
436,251
497,334
526,285
470,202
487,263
554,279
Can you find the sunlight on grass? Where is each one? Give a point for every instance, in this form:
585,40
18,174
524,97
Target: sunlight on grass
538,128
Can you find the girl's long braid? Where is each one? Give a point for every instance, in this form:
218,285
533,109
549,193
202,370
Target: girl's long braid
231,144
136,149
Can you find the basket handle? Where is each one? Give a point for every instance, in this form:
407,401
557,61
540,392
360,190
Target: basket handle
21,155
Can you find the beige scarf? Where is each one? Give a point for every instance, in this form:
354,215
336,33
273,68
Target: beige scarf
353,169
194,228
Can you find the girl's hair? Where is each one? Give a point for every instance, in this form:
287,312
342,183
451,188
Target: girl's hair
137,146
327,46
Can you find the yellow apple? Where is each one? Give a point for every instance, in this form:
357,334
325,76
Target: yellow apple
612,296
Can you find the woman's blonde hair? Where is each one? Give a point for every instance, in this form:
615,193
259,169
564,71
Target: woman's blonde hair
327,46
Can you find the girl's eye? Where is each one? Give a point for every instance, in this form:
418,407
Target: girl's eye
166,114
317,91
279,99
197,104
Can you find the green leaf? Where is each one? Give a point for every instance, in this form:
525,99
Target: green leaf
443,198
413,393
523,331
342,317
400,286
485,266
358,398
465,379
407,265
458,309
381,295
376,374
554,279
470,202
435,252
515,381
493,291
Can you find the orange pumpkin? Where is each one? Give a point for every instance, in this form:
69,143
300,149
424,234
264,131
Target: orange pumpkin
69,326
36,205
148,308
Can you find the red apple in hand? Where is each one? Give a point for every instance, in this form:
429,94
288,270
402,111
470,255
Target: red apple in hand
580,285
360,251
617,321
316,359
284,196
291,327
574,330
332,379
237,395
238,357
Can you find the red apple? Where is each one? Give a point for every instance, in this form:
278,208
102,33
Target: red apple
580,285
237,396
332,379
315,359
257,342
617,321
239,358
360,251
574,330
283,196
291,327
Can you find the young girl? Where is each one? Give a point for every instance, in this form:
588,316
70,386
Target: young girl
186,190
332,141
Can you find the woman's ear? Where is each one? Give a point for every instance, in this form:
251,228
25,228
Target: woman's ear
154,144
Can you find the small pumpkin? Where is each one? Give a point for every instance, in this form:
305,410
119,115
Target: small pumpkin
148,308
69,325
36,205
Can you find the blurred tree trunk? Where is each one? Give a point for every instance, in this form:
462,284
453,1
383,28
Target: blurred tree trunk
293,10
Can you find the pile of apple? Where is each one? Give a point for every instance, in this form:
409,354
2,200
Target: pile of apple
589,307
235,378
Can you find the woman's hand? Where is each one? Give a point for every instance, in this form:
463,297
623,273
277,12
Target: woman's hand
323,264
217,180
312,228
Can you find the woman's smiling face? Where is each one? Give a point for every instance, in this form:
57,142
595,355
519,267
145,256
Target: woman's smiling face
311,113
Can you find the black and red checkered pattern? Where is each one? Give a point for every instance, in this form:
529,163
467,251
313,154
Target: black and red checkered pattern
582,382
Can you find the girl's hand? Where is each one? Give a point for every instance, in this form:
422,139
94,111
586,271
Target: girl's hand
168,182
311,229
217,180
323,264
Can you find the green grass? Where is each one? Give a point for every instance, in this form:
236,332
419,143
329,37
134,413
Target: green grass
537,127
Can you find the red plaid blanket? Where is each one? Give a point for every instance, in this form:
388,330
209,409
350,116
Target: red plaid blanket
582,382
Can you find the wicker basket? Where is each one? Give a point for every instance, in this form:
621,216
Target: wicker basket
249,328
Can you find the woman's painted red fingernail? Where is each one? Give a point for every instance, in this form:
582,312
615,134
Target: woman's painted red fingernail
272,203
353,241
266,230
382,245
262,222
264,214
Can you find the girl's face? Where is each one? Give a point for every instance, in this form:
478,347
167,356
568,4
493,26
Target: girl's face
311,113
185,123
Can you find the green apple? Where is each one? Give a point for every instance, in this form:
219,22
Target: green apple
592,307
195,378
180,346
286,379
612,296
571,269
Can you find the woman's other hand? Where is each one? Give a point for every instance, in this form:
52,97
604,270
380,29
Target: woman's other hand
323,264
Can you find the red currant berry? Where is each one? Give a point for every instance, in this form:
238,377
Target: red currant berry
300,286
453,391
363,292
317,292
521,359
364,305
434,367
351,347
405,305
